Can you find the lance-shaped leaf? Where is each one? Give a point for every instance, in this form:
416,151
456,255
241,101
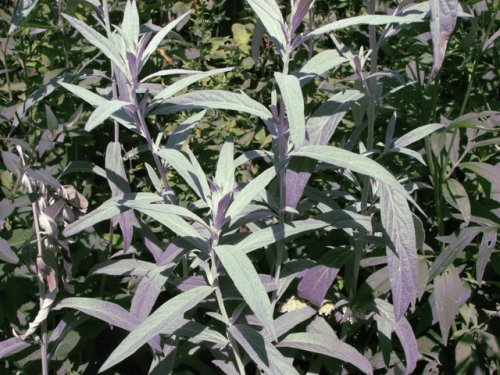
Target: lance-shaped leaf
108,312
197,181
160,35
182,83
148,291
182,132
21,13
245,278
97,101
250,191
319,64
453,249
443,20
299,11
357,21
327,344
103,112
397,221
166,319
121,267
12,346
262,352
224,175
456,195
294,104
102,43
11,161
131,23
402,328
416,135
275,233
448,296
270,15
6,254
486,247
107,210
213,99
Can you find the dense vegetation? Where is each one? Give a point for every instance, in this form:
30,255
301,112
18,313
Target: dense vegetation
229,186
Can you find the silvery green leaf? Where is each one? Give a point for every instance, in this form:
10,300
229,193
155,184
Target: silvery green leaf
182,131
103,112
121,267
250,191
130,24
115,169
449,294
224,175
286,322
197,333
262,352
154,178
319,64
272,234
147,292
397,220
198,171
183,166
291,94
166,319
360,20
169,72
329,345
443,20
79,166
106,211
416,135
108,312
102,43
270,15
245,278
456,195
354,162
402,328
96,100
182,83
453,249
213,99
6,254
486,247
12,346
413,154
485,170
21,13
11,161
251,155
155,42
299,11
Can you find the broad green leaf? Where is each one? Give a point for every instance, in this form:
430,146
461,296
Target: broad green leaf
275,233
397,220
328,345
213,99
443,20
130,24
486,247
270,15
166,319
291,94
416,135
456,195
319,64
155,42
102,43
108,312
6,254
183,166
454,248
250,191
182,83
103,112
224,175
245,278
449,294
